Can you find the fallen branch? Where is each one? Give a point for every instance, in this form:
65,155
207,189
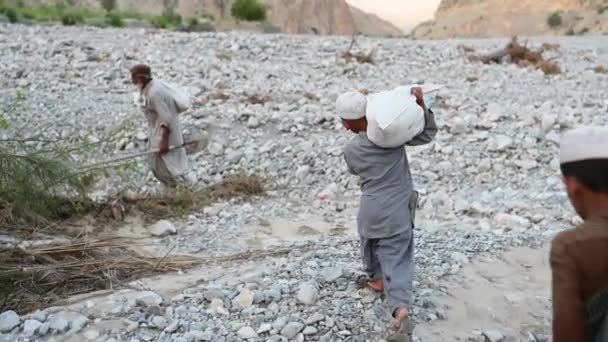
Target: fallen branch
519,54
359,57
38,277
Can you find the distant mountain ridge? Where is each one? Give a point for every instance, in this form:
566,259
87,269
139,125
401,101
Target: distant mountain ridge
334,17
497,18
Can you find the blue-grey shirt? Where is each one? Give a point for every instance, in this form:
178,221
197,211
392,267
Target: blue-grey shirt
388,199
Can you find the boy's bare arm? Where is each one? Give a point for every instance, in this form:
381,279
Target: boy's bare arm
568,307
430,126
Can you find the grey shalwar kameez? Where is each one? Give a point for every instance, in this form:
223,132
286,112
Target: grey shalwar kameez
385,220
160,108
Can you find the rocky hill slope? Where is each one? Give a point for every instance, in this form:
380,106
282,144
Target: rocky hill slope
494,18
288,16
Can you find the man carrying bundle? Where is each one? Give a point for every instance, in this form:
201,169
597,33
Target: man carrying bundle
579,256
161,105
385,220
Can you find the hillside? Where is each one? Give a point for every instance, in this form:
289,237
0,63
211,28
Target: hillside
496,18
372,25
334,17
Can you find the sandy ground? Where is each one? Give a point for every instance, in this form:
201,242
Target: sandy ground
503,293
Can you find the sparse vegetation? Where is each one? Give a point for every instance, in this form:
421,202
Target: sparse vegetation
601,69
555,20
69,15
602,10
10,12
523,56
114,19
167,20
248,10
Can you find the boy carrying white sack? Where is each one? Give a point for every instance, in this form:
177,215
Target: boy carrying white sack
385,220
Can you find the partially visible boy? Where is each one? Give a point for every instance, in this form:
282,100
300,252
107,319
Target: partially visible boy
579,257
386,215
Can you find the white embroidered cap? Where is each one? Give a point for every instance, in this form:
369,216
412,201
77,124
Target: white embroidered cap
583,144
351,105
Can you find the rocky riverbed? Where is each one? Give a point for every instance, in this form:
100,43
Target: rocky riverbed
490,182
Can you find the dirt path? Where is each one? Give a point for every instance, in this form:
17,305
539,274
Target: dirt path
504,293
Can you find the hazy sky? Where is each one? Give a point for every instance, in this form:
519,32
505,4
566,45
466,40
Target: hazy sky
403,13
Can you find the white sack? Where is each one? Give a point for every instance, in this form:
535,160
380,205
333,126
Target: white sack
181,97
393,117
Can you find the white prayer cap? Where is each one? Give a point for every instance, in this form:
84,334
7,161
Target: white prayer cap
351,105
583,144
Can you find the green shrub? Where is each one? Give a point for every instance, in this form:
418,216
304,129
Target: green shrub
601,10
555,20
570,32
193,22
114,19
166,20
10,12
249,10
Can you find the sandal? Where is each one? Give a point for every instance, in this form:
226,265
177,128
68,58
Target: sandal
401,329
363,282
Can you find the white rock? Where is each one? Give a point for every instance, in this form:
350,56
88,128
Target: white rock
30,327
91,334
458,126
78,323
302,172
279,323
292,329
526,164
315,318
253,122
162,228
44,329
244,299
548,121
148,299
160,322
494,336
59,325
216,149
9,320
308,294
264,328
40,316
499,143
310,331
247,333
171,328
331,274
509,220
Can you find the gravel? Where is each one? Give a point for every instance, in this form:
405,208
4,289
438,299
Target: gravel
498,140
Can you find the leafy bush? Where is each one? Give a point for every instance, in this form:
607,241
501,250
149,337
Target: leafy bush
555,20
114,19
249,10
10,12
166,20
193,22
